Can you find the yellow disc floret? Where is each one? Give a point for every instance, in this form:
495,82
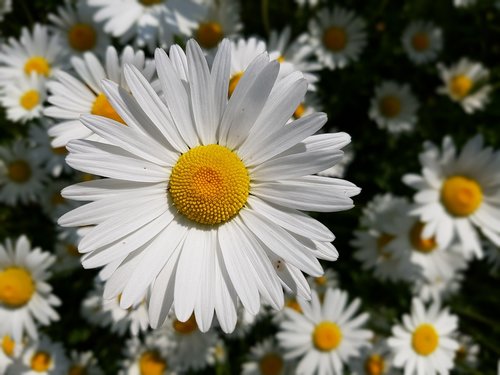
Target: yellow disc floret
390,106
294,305
19,171
209,34
151,363
82,37
29,100
37,64
461,195
460,86
327,336
102,107
299,112
374,365
187,327
424,245
41,361
209,184
335,38
235,79
16,286
271,364
8,346
420,41
425,339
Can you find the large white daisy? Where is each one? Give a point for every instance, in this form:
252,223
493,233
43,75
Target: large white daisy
457,193
204,195
422,41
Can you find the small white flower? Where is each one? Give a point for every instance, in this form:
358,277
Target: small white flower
83,363
375,360
24,98
267,358
422,41
468,351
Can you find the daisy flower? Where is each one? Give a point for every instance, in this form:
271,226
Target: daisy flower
21,177
83,363
9,352
424,344
329,280
267,358
422,41
24,98
220,352
468,351
71,97
457,193
437,285
337,37
38,52
394,107
466,83
310,105
243,52
25,296
78,31
196,171
326,335
375,360
5,7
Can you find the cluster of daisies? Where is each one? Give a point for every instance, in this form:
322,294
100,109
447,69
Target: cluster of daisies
185,174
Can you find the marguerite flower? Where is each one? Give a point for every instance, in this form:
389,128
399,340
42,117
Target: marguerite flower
394,107
24,98
25,296
194,171
422,41
83,363
375,360
424,344
72,97
243,52
329,280
437,285
466,83
9,352
338,37
457,193
468,351
267,358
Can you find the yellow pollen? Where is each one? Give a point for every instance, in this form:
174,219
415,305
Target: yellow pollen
424,245
299,112
374,365
294,305
209,34
60,151
425,339
420,41
16,286
41,361
102,107
327,336
8,346
187,327
29,100
151,363
390,106
235,79
271,364
335,38
150,2
37,64
82,37
77,370
461,195
19,171
209,184
460,86
321,280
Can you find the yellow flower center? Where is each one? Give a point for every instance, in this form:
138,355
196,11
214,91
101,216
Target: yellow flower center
461,195
102,107
8,346
209,34
271,364
37,64
41,361
187,327
294,305
60,151
280,59
82,37
390,106
150,2
420,41
321,280
299,112
151,363
425,339
327,336
29,100
460,86
235,79
16,286
19,171
424,245
209,184
335,38
77,370
374,365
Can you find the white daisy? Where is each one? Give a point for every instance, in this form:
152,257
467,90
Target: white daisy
375,360
150,23
394,107
466,83
436,285
9,352
193,170
468,351
424,344
457,193
38,52
78,31
220,352
267,358
338,37
25,296
21,177
72,97
243,52
422,41
83,363
5,8
326,335
24,98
